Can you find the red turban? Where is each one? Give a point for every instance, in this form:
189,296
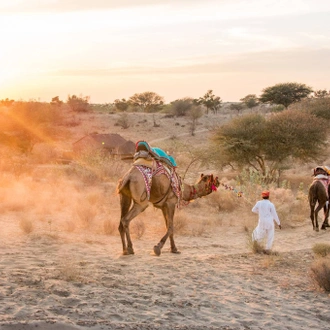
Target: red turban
265,193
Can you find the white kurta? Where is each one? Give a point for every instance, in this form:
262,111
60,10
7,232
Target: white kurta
267,215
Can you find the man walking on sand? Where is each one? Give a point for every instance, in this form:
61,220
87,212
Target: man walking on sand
267,215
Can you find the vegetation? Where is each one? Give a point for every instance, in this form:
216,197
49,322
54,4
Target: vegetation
147,101
250,100
270,145
285,93
78,103
210,102
181,107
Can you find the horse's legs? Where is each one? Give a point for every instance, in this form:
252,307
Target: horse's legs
127,216
168,212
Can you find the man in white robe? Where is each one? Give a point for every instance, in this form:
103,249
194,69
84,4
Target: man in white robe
267,215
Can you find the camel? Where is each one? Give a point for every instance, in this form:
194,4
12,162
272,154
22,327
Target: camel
317,194
134,200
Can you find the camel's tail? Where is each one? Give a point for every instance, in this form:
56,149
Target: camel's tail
121,184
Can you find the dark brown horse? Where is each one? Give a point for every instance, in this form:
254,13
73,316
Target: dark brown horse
134,200
318,195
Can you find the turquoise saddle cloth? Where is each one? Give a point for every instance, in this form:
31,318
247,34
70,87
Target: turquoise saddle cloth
157,153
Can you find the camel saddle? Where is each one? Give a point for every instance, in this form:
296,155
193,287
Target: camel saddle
145,151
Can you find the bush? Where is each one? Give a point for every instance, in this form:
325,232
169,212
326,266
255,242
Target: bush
321,273
321,249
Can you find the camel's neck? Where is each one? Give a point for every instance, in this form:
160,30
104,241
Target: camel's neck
192,192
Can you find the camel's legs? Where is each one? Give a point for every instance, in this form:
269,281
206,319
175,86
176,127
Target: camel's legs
326,216
319,207
126,218
168,212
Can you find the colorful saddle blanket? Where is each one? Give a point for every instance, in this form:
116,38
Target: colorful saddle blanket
143,150
148,171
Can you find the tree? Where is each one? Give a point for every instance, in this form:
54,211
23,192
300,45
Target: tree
320,94
194,114
147,101
210,101
181,107
56,102
121,105
250,100
237,107
268,146
285,94
78,104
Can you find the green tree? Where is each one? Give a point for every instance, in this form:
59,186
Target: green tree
320,94
147,101
250,100
78,103
285,94
121,105
181,107
210,102
236,107
269,146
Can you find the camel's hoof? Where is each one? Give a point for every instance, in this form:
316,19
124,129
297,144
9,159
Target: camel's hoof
128,252
317,229
323,228
157,250
175,251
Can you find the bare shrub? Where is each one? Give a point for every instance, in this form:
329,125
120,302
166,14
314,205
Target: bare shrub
69,271
26,225
109,227
321,273
70,226
199,230
321,249
86,214
44,153
138,228
180,224
223,201
255,246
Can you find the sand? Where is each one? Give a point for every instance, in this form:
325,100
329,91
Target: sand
82,281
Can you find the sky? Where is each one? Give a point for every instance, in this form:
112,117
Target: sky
108,49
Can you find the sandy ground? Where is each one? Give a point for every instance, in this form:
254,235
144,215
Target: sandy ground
82,281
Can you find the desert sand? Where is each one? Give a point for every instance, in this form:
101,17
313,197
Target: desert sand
63,275
78,281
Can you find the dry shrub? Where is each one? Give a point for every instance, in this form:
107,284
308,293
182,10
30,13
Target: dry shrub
69,271
138,228
321,249
223,200
44,153
199,230
86,214
70,226
254,246
321,273
109,227
180,224
26,225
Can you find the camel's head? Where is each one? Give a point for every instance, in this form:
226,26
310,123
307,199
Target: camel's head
211,183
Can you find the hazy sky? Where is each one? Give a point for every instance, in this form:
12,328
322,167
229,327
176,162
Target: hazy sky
109,49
